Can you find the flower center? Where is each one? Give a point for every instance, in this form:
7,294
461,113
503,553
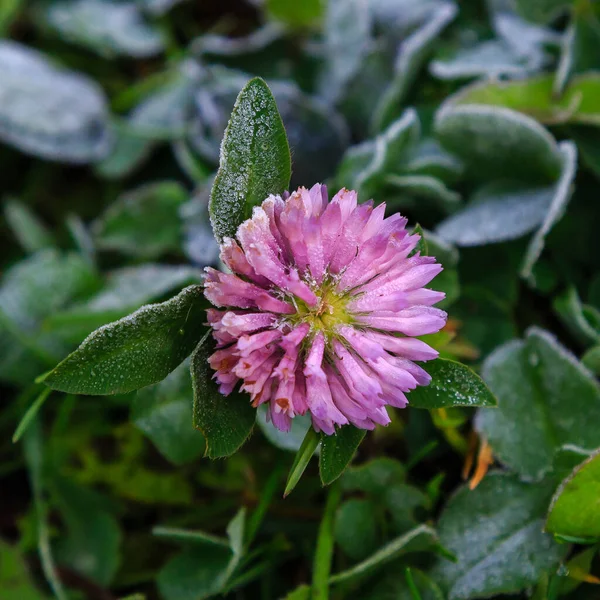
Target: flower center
329,311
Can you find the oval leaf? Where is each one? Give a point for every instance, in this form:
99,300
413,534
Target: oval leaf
226,422
494,141
546,399
255,159
574,509
136,351
495,531
452,384
58,115
337,452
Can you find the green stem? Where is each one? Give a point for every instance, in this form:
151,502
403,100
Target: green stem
324,552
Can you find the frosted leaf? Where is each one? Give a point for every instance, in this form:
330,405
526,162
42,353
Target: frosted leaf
51,113
497,213
109,27
494,141
495,531
546,399
255,159
136,351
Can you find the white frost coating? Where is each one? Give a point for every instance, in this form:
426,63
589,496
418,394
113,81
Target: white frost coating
546,399
499,139
106,26
496,533
132,286
489,59
426,186
56,114
388,147
496,217
411,54
254,159
562,195
134,351
348,39
548,338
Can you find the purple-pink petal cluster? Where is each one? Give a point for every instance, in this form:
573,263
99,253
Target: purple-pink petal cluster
321,310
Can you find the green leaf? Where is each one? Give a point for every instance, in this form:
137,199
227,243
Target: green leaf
542,11
355,528
255,159
225,422
106,27
124,291
576,316
306,451
418,539
494,141
452,384
15,580
490,58
421,246
412,54
31,290
374,477
496,533
33,450
187,536
337,451
386,152
156,206
562,195
164,413
92,543
196,573
426,187
574,508
48,112
302,592
497,212
546,399
204,569
30,414
591,359
536,98
30,232
296,14
136,351
344,20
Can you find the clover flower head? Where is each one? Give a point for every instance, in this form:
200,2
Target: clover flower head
321,310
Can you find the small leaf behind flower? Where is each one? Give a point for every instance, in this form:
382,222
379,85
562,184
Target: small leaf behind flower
225,422
337,452
452,384
255,159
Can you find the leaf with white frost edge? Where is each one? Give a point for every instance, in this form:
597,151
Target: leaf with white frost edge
495,531
546,399
562,195
49,112
136,351
494,141
497,213
412,53
255,159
